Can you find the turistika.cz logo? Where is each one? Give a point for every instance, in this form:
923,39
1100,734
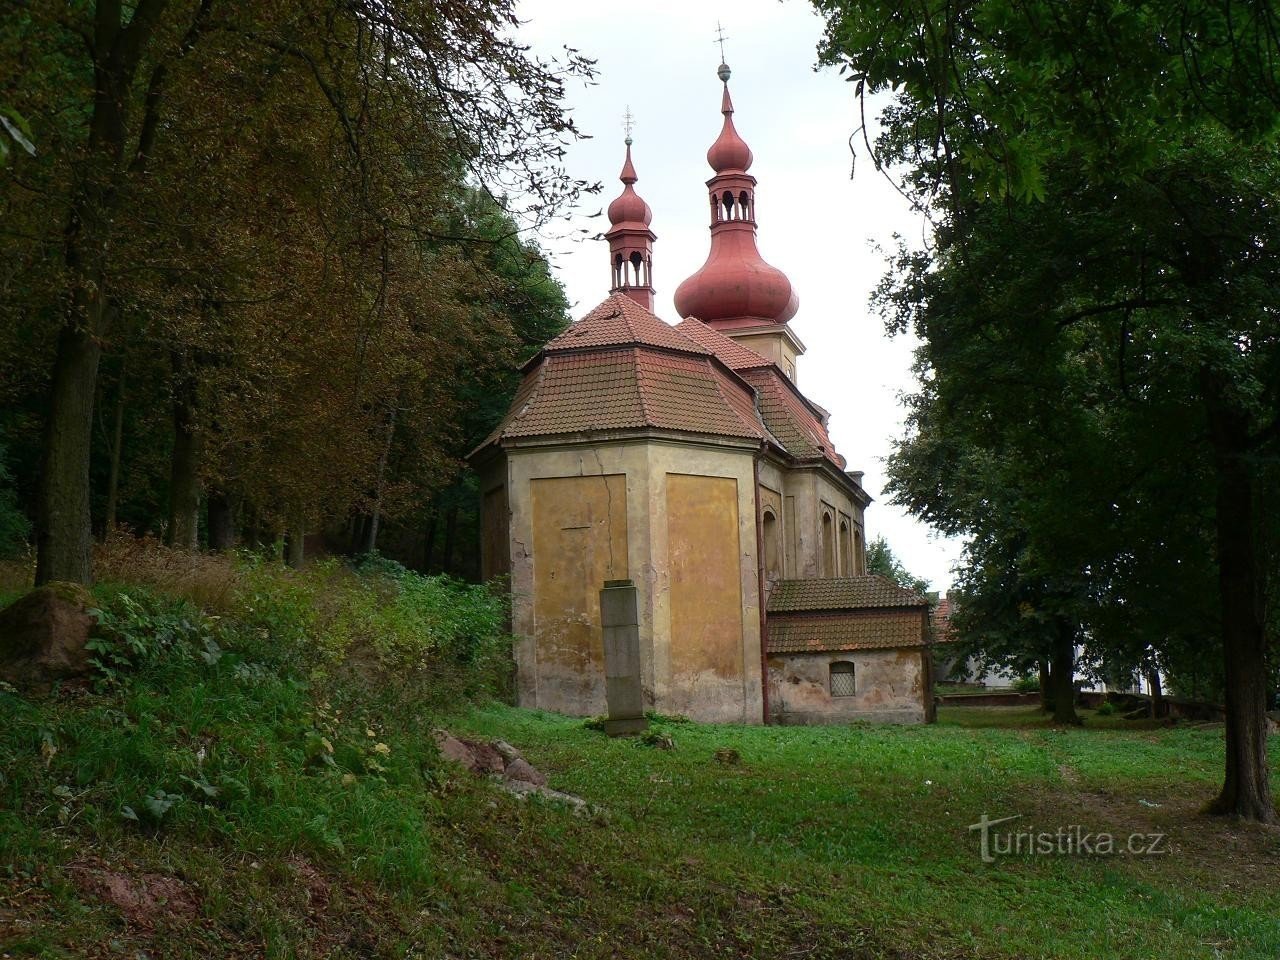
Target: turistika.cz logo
1072,840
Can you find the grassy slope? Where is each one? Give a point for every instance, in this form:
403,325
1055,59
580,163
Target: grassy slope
822,842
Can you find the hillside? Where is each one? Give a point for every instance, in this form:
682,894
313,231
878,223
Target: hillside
232,793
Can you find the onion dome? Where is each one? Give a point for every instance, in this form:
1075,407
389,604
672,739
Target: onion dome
735,287
629,208
730,153
631,240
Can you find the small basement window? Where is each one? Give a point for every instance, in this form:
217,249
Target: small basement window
842,679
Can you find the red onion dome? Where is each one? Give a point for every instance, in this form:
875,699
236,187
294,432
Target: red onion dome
629,207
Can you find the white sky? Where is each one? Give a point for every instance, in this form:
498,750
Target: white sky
815,223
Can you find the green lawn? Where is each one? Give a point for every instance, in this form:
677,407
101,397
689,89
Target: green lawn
822,842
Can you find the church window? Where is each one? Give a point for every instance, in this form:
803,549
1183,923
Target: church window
828,546
846,550
772,546
842,684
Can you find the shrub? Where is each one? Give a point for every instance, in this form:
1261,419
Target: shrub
137,628
1106,708
1027,684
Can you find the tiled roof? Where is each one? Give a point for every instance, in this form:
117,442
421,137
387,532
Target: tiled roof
618,322
861,630
940,621
841,593
629,388
731,353
789,419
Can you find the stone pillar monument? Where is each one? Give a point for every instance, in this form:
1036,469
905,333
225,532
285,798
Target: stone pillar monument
621,630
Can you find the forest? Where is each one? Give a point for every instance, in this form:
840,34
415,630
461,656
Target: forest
267,271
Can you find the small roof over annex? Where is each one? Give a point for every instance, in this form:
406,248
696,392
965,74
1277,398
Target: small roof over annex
841,593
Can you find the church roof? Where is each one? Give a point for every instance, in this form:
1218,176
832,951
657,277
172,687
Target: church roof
789,418
731,353
841,593
620,367
620,321
875,629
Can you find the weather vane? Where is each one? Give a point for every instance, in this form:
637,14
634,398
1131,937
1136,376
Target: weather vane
628,123
720,39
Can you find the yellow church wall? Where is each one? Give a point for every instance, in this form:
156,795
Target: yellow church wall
704,565
680,683
537,554
579,541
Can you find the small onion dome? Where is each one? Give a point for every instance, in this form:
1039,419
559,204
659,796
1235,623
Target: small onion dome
629,207
730,153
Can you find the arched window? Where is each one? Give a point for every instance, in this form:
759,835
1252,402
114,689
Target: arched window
846,550
842,683
772,546
744,205
828,546
859,553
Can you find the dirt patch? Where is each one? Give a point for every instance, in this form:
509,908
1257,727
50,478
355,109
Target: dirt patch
143,899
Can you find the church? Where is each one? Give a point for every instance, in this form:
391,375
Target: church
684,458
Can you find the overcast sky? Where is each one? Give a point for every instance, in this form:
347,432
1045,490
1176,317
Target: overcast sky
818,225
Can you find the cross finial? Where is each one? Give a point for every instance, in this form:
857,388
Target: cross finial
628,123
720,39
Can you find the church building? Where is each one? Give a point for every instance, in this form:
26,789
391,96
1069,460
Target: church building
685,458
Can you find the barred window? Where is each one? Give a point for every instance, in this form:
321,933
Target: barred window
842,679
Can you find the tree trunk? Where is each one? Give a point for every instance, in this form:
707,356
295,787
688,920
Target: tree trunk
184,465
1246,788
1063,676
117,447
221,519
1045,687
1157,693
371,534
450,536
63,522
429,541
294,549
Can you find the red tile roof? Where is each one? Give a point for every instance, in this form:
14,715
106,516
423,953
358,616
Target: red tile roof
841,593
940,621
630,387
620,321
731,353
789,418
855,630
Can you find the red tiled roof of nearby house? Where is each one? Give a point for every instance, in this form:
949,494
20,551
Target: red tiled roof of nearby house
620,321
873,629
731,353
940,621
841,593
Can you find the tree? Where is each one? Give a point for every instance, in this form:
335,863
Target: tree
882,560
1127,278
414,102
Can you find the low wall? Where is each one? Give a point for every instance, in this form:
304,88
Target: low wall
988,700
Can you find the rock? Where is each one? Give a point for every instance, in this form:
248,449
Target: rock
43,636
507,751
728,756
477,757
523,770
451,748
524,789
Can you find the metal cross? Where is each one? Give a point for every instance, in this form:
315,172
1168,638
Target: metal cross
720,39
628,122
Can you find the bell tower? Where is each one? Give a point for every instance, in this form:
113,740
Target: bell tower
630,239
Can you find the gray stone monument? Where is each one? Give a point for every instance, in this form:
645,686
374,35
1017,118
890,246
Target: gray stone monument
621,629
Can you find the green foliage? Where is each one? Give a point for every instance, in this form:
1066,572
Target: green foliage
14,526
881,560
137,628
1106,708
1027,684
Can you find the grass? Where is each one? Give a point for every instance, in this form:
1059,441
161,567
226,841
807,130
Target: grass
822,842
279,795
